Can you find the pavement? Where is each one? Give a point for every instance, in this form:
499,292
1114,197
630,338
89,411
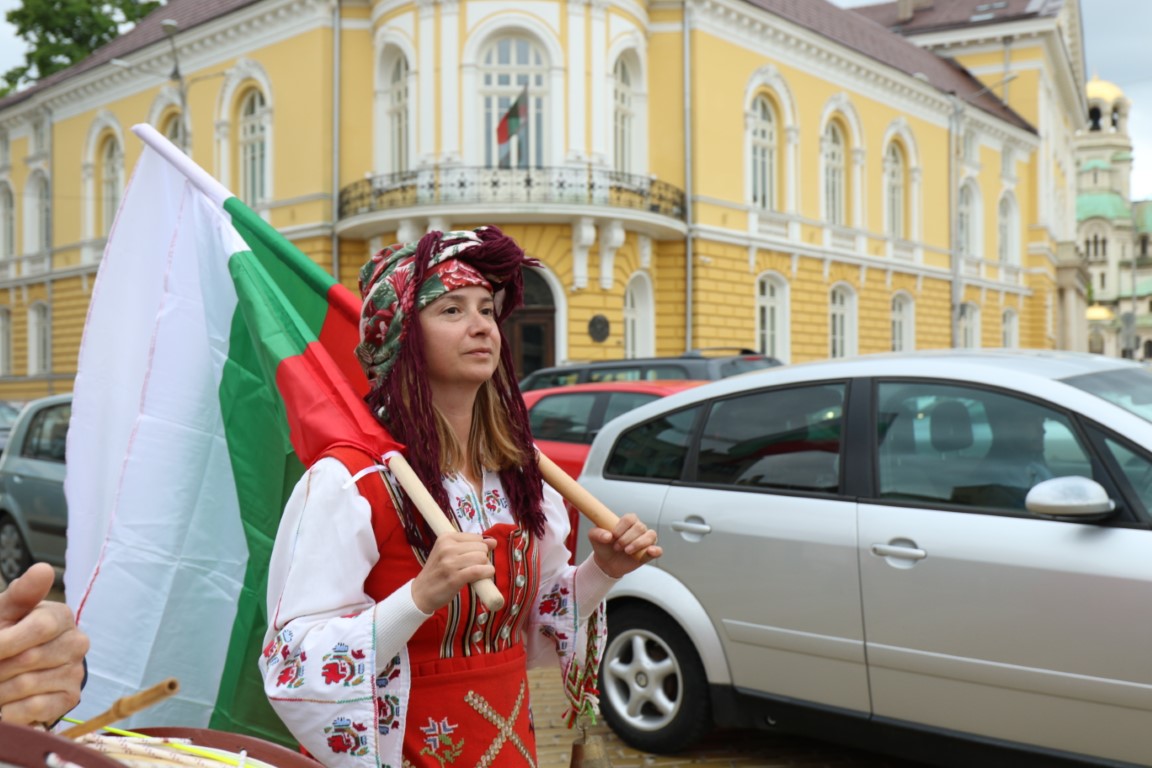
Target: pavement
735,748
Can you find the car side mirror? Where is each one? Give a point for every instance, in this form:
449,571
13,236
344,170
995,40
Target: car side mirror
1075,497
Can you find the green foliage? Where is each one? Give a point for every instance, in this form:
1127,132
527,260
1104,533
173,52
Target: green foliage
63,32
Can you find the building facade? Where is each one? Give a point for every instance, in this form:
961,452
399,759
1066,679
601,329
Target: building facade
782,175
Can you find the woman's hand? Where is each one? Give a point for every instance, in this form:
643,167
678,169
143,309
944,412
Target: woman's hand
616,551
41,652
456,560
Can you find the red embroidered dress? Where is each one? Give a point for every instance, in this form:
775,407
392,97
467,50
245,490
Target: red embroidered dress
363,678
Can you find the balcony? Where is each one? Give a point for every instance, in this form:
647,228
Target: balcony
549,194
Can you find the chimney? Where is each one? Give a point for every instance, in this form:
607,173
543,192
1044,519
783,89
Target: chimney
905,10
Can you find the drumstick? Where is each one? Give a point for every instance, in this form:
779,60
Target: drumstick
579,497
485,588
125,707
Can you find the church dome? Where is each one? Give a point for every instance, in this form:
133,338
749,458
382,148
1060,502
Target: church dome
1104,91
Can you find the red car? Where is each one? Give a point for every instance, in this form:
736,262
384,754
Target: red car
565,419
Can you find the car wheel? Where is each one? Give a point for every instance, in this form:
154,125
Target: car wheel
14,555
653,690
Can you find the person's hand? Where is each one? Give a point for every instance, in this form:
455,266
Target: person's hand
41,652
456,560
616,551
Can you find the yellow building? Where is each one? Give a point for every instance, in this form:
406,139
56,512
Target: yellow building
782,175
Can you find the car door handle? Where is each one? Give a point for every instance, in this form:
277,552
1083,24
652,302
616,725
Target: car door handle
683,526
904,553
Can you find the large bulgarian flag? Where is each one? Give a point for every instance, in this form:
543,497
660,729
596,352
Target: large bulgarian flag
217,362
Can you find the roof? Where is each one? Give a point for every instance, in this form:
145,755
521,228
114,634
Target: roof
1101,205
1142,216
187,13
949,14
873,40
1103,90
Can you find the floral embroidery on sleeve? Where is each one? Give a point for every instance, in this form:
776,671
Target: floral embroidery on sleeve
343,666
347,737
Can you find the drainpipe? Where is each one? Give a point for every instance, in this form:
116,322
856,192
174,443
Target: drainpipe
50,231
689,285
336,7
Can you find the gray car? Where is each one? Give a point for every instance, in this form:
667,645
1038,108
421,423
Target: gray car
33,512
877,550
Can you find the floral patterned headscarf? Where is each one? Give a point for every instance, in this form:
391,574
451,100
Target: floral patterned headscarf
395,285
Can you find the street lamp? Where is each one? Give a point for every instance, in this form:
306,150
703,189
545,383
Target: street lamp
171,27
954,142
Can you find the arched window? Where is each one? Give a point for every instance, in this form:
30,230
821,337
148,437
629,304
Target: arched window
623,117
39,339
772,321
5,342
835,187
969,326
253,148
841,322
37,220
763,143
513,72
397,102
111,182
172,126
903,323
1010,329
1008,228
638,317
895,191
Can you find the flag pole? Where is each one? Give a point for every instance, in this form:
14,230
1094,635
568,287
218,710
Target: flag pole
200,178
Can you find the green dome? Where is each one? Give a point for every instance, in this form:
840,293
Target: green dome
1101,205
1122,156
1096,165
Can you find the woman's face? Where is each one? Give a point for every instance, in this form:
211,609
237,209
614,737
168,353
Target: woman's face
461,339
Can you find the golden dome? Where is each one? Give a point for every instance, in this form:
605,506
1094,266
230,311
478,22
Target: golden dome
1104,91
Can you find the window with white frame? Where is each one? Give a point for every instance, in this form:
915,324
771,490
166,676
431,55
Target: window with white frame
39,339
37,214
513,71
965,221
763,141
1008,227
5,150
638,318
7,229
253,148
1010,329
623,117
772,327
397,102
841,322
111,181
895,191
903,323
172,127
5,342
834,175
969,326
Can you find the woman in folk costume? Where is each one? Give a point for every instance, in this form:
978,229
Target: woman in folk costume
379,653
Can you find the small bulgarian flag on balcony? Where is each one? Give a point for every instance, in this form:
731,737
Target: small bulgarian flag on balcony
515,118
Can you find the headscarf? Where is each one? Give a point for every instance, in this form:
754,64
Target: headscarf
395,285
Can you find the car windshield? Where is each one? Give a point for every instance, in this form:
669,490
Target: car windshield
8,414
1129,388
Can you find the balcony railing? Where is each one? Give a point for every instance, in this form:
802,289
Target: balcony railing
571,185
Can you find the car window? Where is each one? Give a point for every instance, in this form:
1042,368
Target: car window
787,438
743,365
970,446
655,449
562,417
545,380
622,402
1136,466
48,434
8,414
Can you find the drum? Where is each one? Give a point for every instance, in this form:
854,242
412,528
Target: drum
22,747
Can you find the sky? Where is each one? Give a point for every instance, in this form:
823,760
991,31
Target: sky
1115,41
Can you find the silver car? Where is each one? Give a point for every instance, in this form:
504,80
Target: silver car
876,549
33,512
